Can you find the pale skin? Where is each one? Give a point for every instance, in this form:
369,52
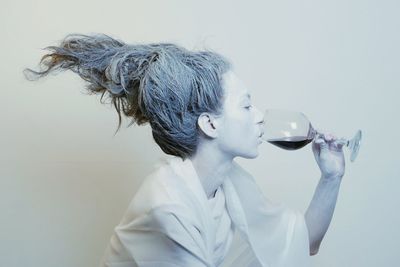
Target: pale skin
237,133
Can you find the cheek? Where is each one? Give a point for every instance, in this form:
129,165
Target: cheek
240,128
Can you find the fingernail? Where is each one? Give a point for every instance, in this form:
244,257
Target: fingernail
329,136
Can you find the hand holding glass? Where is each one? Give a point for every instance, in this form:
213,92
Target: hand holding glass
292,130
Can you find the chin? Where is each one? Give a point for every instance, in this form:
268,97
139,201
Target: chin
255,155
243,151
252,155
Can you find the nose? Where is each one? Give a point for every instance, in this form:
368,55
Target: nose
260,117
260,121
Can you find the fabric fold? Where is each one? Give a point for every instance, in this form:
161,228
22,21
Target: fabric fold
277,235
171,222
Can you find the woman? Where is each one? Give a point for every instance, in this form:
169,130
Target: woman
188,210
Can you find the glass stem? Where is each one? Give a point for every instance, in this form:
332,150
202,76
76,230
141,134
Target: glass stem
314,133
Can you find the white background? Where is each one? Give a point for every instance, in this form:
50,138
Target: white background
66,180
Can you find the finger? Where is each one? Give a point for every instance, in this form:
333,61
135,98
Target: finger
327,137
319,138
316,144
334,146
323,147
340,143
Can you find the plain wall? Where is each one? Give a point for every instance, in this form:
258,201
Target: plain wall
66,180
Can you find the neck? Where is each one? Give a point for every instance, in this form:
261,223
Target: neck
212,167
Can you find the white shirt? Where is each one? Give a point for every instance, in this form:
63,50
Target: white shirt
170,222
224,227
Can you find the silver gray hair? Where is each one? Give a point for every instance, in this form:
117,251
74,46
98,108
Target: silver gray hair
162,84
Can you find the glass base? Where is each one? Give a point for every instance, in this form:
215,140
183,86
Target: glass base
354,145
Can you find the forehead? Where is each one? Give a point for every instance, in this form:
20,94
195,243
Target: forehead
235,89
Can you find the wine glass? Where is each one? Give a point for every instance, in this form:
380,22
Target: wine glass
292,130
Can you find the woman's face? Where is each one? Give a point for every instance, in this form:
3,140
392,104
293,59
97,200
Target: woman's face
241,124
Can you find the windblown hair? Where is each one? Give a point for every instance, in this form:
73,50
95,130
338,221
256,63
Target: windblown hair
160,83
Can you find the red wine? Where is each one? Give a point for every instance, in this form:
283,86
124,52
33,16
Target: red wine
290,143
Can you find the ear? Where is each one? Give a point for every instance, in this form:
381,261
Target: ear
208,125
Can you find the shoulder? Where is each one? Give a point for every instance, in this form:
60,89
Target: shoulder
162,190
159,205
